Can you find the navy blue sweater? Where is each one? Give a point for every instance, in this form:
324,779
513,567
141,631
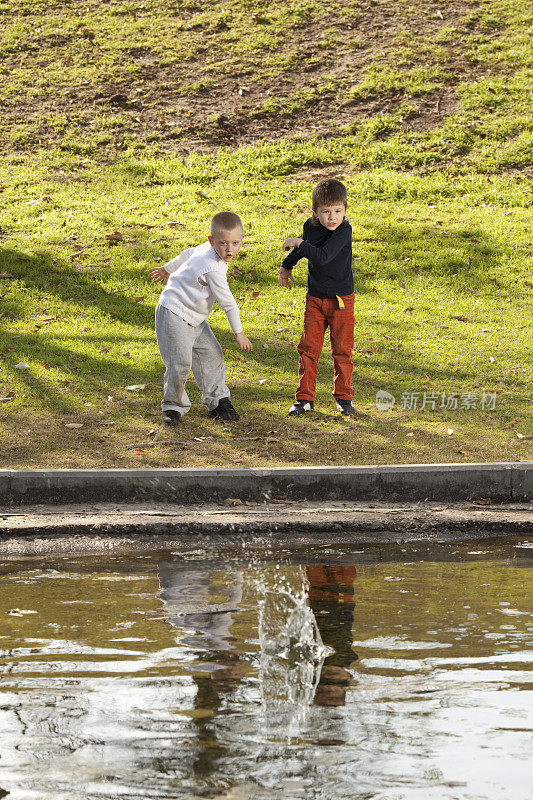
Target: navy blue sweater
329,255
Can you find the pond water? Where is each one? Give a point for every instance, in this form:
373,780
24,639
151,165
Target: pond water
371,672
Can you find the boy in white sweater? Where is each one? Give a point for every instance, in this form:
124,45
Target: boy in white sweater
194,280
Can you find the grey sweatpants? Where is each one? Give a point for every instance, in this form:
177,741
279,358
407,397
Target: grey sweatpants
184,347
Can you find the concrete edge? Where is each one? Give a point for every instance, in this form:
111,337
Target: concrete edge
499,482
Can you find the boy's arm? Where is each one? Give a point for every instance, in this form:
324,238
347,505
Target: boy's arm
292,258
340,237
162,273
285,271
177,261
295,255
218,283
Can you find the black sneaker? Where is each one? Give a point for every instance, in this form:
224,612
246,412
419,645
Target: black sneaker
224,410
171,417
345,407
301,407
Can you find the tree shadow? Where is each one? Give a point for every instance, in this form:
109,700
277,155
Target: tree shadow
435,249
45,274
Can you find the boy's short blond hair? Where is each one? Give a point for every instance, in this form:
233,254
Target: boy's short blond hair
225,221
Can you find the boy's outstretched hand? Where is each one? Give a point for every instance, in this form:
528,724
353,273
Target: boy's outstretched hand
243,341
285,277
159,274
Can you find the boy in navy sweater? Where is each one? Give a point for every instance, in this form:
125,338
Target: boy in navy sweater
327,244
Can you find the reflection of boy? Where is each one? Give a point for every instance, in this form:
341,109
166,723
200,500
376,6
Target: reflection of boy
331,591
194,280
200,606
327,244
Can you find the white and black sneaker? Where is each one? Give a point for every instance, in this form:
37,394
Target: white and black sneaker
301,407
224,410
171,417
345,407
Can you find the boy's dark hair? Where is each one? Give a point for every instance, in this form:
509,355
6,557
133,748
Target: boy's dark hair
225,221
328,192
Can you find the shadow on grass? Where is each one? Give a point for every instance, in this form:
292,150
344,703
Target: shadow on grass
101,374
41,273
439,252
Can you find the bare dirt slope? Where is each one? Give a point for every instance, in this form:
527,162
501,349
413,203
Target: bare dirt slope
186,77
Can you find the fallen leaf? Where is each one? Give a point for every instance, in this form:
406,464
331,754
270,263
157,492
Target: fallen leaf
265,345
64,383
237,273
127,355
255,295
74,425
369,274
410,309
6,275
21,365
232,501
520,435
139,299
19,612
133,388
104,350
263,380
201,194
114,238
176,225
460,318
87,404
86,330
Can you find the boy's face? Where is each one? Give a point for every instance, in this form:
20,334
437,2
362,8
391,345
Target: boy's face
227,243
331,216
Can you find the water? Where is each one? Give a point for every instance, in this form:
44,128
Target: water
378,673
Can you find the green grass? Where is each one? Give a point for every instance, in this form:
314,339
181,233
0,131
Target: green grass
440,206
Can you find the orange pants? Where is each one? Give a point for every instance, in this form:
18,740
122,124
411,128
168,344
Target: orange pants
320,314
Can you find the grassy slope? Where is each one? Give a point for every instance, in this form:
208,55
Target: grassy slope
431,133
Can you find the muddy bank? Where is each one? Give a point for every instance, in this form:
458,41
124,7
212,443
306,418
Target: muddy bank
104,527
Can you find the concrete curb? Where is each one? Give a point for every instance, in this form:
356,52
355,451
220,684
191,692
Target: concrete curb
497,482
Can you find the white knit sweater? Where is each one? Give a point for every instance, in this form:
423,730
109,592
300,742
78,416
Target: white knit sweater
197,279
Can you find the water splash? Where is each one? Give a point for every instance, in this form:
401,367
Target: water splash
292,653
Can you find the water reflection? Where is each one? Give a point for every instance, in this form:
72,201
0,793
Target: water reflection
331,597
210,677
